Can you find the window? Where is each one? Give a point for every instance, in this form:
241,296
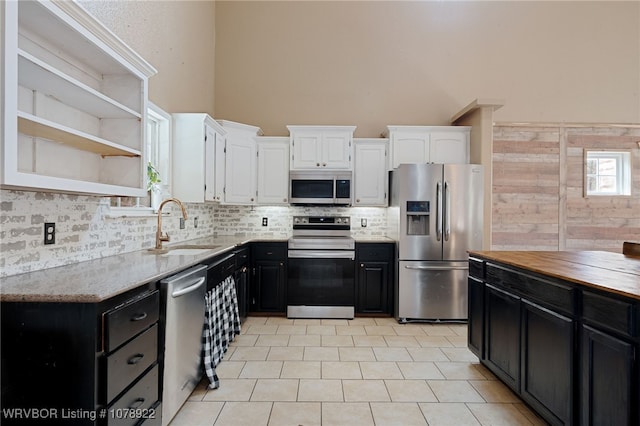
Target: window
607,173
158,154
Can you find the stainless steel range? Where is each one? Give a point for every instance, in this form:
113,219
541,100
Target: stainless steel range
321,270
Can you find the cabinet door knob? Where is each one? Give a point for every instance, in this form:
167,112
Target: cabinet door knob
317,164
362,265
324,164
357,200
284,200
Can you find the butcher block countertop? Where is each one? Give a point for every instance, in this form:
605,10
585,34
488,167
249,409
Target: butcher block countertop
606,271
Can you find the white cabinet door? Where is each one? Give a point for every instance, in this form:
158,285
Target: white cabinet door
428,144
196,139
240,179
321,147
409,148
449,147
214,165
370,172
336,150
306,151
273,170
240,163
220,166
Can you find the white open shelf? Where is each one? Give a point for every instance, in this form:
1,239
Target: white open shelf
40,128
38,75
75,103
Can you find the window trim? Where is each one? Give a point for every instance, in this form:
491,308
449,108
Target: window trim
164,166
623,171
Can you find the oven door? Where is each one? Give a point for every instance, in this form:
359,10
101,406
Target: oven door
321,278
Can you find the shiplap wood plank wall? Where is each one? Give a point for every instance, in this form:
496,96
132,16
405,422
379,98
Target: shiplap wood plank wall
538,194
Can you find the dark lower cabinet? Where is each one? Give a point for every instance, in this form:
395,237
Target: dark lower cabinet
475,334
607,392
268,277
502,335
547,362
373,287
569,351
374,277
82,363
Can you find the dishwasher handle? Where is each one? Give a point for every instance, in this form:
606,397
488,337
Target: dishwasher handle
191,288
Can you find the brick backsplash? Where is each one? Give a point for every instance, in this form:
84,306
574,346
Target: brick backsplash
247,220
86,228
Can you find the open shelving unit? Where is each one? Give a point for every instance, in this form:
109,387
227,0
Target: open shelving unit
75,103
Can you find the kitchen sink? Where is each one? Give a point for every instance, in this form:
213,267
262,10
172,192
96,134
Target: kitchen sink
184,250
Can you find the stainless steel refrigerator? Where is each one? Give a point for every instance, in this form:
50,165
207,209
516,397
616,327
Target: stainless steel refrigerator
436,215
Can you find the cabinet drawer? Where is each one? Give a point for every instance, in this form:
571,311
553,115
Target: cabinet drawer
124,322
607,312
270,251
548,293
476,268
241,257
372,252
127,363
129,409
220,269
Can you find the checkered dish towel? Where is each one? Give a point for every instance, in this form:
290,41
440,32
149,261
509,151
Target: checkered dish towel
221,324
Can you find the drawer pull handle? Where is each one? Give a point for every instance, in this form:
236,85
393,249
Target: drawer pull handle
139,317
137,403
135,359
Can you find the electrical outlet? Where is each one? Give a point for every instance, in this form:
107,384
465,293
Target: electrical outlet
195,222
49,233
265,221
363,222
182,223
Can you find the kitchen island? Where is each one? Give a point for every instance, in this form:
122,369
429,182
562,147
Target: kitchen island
561,329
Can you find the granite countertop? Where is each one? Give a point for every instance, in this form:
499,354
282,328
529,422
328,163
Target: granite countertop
100,279
603,270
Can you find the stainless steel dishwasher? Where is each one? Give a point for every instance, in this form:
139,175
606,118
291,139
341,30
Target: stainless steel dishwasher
183,298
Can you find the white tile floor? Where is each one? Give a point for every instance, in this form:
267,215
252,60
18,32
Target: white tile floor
366,371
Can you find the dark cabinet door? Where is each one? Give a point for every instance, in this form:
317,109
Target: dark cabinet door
502,337
373,287
607,377
547,363
269,284
475,324
268,277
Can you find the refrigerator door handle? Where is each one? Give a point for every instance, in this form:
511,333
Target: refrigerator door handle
437,268
447,211
439,211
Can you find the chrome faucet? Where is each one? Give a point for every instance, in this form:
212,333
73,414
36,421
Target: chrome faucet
160,237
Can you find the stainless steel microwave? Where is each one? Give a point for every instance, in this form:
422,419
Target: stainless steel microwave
320,187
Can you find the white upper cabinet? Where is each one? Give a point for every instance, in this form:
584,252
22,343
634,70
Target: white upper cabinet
370,172
273,170
241,163
428,144
321,147
75,102
198,158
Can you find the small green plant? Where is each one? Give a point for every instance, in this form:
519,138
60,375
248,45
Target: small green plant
153,176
